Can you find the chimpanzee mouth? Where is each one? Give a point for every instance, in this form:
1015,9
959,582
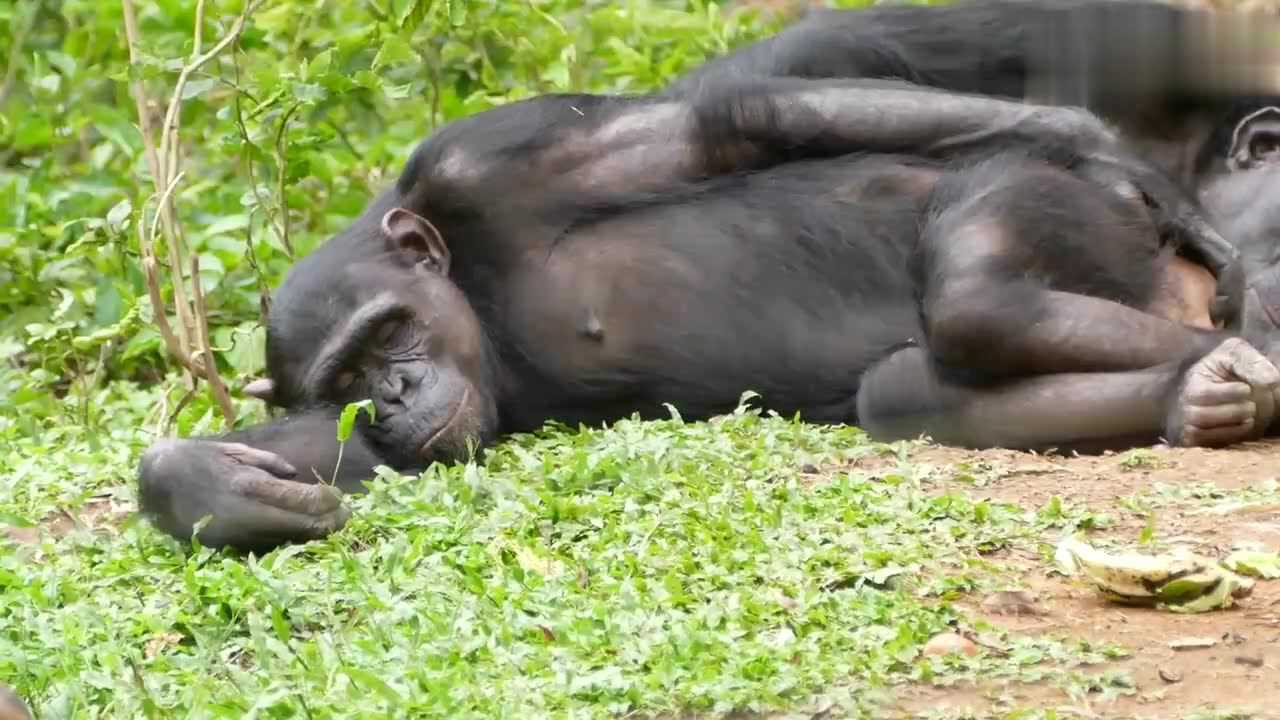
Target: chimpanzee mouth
448,424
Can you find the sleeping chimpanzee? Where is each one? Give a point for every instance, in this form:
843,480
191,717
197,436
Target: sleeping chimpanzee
1176,81
582,258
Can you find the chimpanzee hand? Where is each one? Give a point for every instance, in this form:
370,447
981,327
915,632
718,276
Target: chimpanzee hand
250,494
1228,396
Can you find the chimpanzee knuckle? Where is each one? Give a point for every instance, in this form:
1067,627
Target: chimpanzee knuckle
257,458
1213,416
322,499
1249,365
167,460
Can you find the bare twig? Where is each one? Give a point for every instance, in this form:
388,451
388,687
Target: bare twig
218,389
281,159
189,343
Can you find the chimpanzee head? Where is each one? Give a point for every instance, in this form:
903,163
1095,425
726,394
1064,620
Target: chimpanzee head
1245,207
373,315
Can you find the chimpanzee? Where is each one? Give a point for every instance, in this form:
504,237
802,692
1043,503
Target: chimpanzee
582,258
1176,81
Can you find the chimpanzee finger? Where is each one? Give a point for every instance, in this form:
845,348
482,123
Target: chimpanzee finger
242,518
1215,437
1200,392
1216,416
1251,366
261,459
306,498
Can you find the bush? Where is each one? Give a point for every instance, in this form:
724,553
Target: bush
283,139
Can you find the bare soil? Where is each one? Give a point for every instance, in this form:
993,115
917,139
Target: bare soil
1239,672
99,515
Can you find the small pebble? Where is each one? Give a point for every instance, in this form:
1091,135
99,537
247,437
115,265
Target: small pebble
950,644
1253,661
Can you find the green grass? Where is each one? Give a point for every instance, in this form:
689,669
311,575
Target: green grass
648,568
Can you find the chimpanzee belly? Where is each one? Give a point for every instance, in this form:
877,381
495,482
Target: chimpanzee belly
789,284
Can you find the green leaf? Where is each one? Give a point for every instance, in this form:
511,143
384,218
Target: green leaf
197,87
347,421
119,215
319,65
414,14
372,682
457,12
394,51
1265,565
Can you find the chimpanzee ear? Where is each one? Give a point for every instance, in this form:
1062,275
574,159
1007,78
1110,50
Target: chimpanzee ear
1256,140
262,388
407,231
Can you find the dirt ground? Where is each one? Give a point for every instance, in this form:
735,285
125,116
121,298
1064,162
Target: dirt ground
1238,672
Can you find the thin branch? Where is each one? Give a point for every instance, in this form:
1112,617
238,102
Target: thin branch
281,167
189,343
139,94
175,102
207,360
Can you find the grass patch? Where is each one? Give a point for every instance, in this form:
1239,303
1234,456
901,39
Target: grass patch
651,567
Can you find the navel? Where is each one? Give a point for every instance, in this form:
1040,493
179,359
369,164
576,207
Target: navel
590,326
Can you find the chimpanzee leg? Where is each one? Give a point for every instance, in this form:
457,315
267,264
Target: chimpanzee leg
263,486
743,124
1028,270
1227,396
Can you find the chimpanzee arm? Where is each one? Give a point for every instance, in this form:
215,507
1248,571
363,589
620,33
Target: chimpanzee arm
563,146
1098,54
553,151
1227,396
263,486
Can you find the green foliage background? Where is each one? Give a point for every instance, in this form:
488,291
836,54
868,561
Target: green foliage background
285,140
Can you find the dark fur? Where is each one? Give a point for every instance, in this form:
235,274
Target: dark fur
747,253
1133,62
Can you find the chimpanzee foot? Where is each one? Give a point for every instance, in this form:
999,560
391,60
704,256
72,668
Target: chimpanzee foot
1228,396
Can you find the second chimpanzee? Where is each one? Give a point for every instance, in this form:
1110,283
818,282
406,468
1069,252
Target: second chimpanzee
1177,81
569,258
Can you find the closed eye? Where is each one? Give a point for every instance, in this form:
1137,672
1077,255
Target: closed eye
344,381
396,337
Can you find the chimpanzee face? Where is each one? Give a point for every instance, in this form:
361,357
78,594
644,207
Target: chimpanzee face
387,325
1245,207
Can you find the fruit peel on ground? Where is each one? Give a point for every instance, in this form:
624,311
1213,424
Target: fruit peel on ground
1178,582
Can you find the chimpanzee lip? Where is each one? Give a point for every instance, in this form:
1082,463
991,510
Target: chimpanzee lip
453,416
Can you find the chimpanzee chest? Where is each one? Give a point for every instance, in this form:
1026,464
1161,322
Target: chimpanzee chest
691,308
